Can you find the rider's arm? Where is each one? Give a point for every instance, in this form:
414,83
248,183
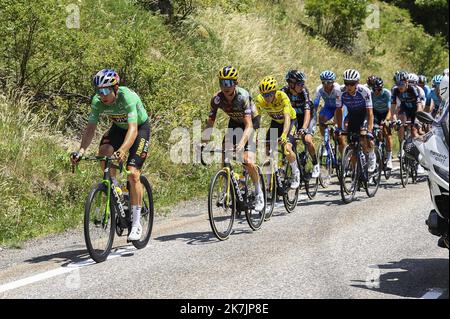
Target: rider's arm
214,107
287,123
338,115
370,119
306,119
88,135
130,137
247,131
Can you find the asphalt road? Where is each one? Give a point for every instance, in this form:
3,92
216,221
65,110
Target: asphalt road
372,248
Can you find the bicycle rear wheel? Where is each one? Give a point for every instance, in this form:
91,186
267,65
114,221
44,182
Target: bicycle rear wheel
349,175
404,165
147,214
221,205
255,218
99,223
271,188
373,181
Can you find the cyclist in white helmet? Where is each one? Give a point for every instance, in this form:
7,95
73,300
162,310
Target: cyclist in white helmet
358,100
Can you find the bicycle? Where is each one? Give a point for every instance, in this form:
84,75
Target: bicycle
354,170
107,212
327,157
380,143
304,161
408,166
232,195
278,180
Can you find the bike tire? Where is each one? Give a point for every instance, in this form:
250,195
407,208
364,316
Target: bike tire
147,214
375,176
404,166
222,233
108,227
255,219
311,185
290,203
271,189
348,195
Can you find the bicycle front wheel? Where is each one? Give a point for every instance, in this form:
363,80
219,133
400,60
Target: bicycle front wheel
373,182
290,196
255,218
271,188
99,223
311,184
147,214
349,175
221,205
404,165
326,167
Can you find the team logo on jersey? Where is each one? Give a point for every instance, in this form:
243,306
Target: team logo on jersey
217,100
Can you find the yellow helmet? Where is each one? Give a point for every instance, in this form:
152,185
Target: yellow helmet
228,73
268,84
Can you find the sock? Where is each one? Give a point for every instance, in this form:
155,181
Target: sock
294,167
136,215
389,155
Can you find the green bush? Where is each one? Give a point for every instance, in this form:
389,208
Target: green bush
338,21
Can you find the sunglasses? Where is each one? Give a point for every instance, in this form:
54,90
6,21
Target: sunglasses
226,83
401,84
378,88
104,91
327,82
270,94
299,83
350,83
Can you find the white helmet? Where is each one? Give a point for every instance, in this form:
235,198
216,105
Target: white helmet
351,75
443,88
413,78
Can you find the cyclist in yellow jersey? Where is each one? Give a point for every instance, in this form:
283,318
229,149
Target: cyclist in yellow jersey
284,120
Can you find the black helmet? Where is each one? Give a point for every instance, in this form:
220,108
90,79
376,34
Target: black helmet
371,80
378,83
422,79
296,75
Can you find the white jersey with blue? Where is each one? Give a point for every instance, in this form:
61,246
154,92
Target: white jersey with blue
358,102
331,100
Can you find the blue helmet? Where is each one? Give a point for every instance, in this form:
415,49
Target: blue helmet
437,79
327,75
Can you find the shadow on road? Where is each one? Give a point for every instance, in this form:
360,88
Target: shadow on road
411,278
200,238
67,257
63,258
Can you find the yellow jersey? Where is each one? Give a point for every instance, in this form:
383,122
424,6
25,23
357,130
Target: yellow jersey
281,105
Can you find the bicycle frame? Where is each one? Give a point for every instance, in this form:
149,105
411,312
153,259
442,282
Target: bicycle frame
331,156
109,185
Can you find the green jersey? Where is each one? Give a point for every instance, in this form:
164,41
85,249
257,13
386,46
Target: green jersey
128,108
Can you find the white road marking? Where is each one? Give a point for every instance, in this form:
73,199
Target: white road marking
59,271
434,293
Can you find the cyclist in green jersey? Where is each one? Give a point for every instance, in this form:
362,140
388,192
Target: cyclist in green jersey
130,132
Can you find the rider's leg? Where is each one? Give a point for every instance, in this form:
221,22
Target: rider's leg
107,150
